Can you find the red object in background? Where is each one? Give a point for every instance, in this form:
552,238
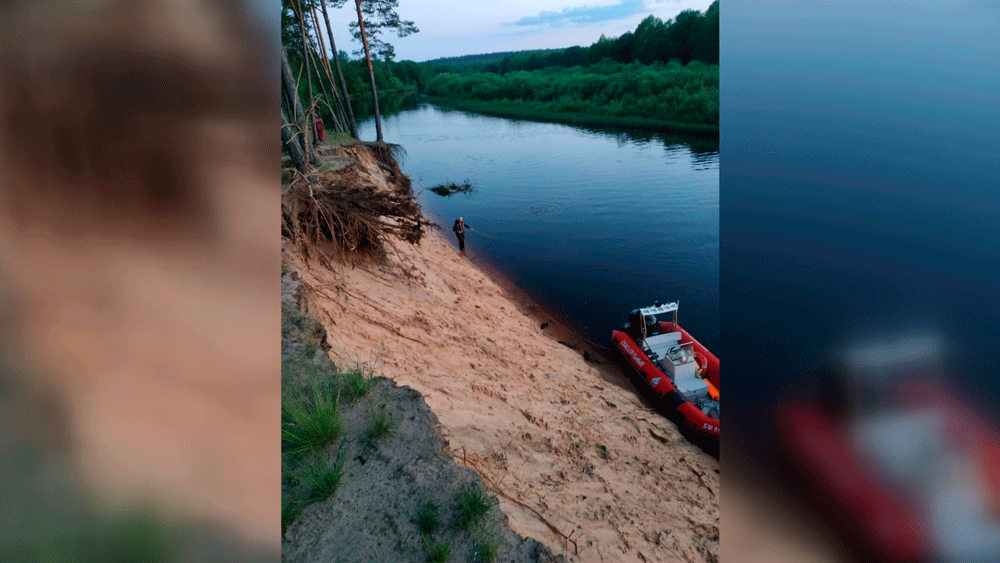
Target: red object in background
319,128
872,509
865,505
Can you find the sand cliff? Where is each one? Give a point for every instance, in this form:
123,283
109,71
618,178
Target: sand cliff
578,461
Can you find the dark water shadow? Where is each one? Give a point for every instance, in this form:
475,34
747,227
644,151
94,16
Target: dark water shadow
702,147
388,105
698,145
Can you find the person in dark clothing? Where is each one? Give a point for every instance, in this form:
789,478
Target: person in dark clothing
459,228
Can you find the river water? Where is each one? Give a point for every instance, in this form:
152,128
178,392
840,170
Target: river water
590,223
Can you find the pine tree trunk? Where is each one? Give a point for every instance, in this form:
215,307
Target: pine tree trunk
292,145
338,113
313,139
371,73
291,94
340,74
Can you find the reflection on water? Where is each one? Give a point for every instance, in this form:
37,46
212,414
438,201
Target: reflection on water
592,222
388,104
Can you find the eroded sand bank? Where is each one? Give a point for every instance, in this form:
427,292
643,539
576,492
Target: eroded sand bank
572,449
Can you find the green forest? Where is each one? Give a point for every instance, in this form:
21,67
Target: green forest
668,95
664,75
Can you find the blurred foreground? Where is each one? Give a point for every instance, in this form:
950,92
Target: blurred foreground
881,460
139,389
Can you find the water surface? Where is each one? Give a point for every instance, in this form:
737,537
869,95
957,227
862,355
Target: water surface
591,223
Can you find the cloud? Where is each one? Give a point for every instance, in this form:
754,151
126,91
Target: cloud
586,14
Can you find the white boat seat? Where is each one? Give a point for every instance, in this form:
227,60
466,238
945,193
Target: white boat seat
693,388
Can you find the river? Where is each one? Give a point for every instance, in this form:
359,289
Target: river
590,223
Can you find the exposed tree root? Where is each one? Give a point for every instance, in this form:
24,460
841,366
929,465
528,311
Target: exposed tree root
358,217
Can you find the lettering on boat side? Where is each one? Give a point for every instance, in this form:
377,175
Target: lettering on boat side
656,381
635,356
710,428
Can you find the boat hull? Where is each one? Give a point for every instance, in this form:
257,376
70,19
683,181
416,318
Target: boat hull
685,413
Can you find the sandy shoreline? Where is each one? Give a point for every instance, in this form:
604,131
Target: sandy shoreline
570,446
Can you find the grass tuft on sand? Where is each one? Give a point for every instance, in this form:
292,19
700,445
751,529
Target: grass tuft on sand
426,518
325,480
357,383
380,424
473,504
439,552
310,424
487,550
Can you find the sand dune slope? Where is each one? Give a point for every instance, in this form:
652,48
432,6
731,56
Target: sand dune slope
570,447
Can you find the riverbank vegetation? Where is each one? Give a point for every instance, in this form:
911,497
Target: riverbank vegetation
658,95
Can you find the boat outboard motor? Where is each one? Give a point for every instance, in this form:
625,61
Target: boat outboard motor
633,327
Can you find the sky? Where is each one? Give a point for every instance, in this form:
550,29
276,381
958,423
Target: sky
449,29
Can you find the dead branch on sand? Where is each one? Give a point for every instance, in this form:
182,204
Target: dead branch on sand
471,464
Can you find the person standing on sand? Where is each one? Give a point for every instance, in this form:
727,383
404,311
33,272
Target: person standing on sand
459,228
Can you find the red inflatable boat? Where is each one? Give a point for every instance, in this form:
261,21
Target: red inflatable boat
681,373
905,466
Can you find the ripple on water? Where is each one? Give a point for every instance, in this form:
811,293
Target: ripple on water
542,209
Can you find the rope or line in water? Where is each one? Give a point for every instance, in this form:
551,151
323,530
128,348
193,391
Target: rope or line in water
482,233
488,245
596,345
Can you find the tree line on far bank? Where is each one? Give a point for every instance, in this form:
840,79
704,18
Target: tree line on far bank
691,36
612,93
664,74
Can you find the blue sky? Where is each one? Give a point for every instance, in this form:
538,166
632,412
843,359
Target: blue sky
465,28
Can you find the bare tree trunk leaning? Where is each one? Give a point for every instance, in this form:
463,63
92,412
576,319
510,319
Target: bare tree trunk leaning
292,145
305,52
291,93
338,113
324,94
340,74
371,73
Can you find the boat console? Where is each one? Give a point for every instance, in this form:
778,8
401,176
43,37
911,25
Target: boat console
677,361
